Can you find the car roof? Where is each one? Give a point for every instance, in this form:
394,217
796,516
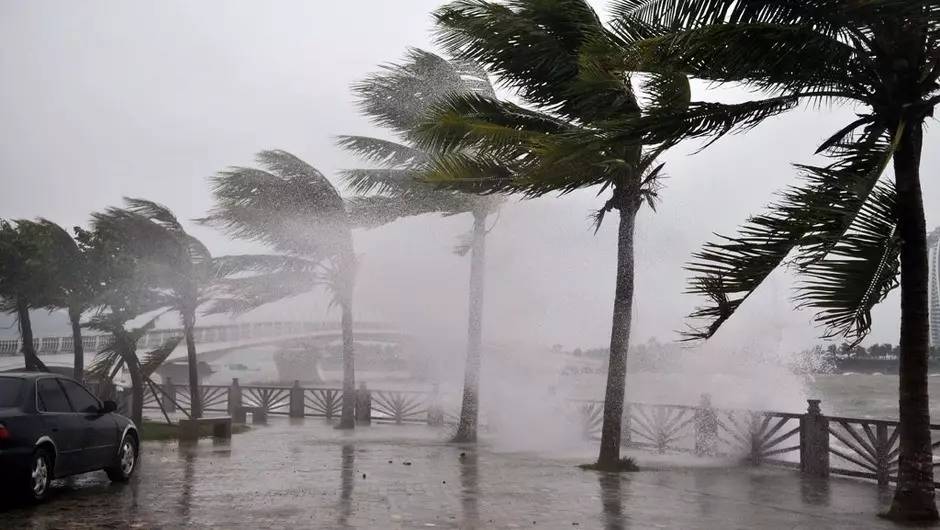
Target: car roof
29,375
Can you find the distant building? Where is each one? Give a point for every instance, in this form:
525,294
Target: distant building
933,285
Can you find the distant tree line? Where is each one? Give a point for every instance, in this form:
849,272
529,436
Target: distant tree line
874,351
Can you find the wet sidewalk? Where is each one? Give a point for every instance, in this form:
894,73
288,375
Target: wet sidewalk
307,475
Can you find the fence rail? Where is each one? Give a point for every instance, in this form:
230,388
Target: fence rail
206,334
816,444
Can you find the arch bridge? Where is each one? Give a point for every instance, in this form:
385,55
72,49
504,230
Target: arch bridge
212,341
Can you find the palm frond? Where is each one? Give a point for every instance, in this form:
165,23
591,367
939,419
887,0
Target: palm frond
399,96
156,212
809,220
484,124
384,180
243,264
371,211
242,294
700,119
859,271
383,152
778,57
533,46
154,359
289,206
679,14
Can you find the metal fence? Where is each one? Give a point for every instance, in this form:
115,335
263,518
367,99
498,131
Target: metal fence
816,444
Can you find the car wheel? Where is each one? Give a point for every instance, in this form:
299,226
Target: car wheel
126,461
40,475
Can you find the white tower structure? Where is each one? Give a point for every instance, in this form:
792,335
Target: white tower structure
933,285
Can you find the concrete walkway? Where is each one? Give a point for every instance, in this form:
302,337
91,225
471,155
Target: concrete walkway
307,475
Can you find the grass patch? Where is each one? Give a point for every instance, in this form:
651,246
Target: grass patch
155,430
626,464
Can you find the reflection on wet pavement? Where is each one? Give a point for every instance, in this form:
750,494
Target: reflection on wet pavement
308,475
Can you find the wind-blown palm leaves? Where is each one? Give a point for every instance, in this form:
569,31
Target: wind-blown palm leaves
129,291
490,146
292,208
68,278
22,271
179,264
399,98
121,351
847,229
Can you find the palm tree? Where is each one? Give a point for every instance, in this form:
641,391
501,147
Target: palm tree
294,210
399,98
69,279
847,229
534,46
128,292
178,263
21,286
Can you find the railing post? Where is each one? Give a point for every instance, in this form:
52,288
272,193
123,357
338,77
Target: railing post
814,441
169,396
363,405
296,401
234,397
706,427
435,411
882,450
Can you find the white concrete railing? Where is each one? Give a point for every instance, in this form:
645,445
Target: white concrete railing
227,333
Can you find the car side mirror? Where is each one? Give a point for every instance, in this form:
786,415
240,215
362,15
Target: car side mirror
108,406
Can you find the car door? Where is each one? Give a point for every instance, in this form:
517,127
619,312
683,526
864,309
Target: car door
61,424
99,438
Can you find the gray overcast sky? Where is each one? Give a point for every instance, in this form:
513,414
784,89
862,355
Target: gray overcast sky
102,99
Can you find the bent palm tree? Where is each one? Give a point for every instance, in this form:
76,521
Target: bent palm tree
491,146
21,286
128,291
178,263
399,98
70,281
848,228
293,209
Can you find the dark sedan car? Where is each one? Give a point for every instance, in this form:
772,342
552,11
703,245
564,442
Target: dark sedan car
51,427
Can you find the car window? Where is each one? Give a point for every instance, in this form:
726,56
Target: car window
82,400
51,396
10,388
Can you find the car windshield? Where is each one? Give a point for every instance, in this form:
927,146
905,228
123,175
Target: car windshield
10,391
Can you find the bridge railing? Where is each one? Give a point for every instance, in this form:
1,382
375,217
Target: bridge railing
203,334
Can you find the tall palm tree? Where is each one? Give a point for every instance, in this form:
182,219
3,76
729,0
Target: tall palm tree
293,209
847,229
177,262
69,278
534,47
399,98
21,287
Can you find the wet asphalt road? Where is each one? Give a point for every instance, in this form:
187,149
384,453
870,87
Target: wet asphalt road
306,475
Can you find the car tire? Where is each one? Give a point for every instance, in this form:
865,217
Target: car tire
38,479
126,460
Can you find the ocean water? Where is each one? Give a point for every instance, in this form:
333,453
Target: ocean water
865,396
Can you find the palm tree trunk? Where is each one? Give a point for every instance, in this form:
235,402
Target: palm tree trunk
470,404
347,417
609,457
914,496
137,386
30,358
78,349
195,396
